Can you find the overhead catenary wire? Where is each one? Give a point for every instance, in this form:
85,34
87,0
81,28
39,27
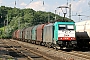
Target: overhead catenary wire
31,1
28,3
85,9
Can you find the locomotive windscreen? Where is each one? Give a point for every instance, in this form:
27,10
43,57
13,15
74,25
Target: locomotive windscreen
67,27
61,27
70,27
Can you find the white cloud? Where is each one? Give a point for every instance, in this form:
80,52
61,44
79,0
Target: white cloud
38,5
0,1
79,6
23,4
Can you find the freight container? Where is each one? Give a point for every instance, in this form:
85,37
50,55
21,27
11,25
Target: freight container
23,35
17,34
33,33
28,34
39,33
48,33
14,34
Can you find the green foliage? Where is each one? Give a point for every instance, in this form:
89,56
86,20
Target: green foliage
1,30
15,18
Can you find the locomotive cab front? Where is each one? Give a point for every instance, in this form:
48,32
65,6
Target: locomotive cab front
66,36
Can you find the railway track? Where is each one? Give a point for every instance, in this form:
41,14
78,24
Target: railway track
21,50
70,55
73,54
80,54
29,53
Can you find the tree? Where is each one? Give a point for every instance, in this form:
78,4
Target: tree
20,18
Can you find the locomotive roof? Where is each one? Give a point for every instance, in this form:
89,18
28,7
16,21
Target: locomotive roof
64,23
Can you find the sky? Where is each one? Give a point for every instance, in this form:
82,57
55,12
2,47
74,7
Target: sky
80,9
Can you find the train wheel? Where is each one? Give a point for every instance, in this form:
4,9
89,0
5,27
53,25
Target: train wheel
57,47
49,46
45,44
42,44
53,46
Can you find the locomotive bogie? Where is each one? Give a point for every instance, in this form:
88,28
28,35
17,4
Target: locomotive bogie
67,44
